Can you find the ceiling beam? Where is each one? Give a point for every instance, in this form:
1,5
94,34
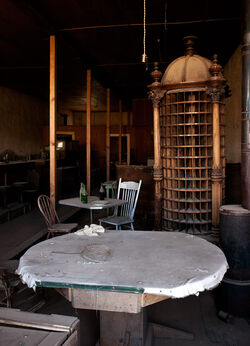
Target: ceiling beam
117,26
39,15
129,64
2,68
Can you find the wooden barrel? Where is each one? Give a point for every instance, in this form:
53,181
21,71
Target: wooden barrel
234,292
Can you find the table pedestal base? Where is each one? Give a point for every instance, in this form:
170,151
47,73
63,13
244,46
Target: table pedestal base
89,327
126,329
120,328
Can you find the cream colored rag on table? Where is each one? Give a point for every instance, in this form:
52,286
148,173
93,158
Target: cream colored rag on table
91,231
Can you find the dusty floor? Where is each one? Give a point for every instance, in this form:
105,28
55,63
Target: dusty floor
196,314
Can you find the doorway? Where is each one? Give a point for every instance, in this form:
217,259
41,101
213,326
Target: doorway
125,149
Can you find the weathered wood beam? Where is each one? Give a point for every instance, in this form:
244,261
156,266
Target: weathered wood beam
118,26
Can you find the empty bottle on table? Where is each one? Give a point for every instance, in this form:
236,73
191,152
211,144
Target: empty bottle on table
102,193
83,194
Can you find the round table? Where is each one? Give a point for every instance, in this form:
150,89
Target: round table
122,272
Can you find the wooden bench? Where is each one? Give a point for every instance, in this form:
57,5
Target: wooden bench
21,327
17,209
4,215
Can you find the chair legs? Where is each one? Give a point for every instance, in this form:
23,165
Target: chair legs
7,297
50,234
119,227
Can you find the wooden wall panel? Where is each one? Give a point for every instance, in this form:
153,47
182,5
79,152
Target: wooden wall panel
140,130
22,119
143,130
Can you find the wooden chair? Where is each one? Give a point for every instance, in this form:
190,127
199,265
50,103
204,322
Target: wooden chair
124,215
111,188
8,282
51,218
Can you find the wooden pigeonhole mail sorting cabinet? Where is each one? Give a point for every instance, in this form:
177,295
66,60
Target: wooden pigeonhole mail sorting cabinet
192,142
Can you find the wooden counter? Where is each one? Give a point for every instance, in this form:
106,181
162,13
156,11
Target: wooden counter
12,171
19,162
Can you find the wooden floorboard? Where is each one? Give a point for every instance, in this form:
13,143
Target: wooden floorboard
23,231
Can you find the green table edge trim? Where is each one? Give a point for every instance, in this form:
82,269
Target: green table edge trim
89,287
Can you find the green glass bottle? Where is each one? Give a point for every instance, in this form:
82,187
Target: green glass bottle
83,194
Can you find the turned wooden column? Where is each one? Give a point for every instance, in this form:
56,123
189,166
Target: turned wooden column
216,90
155,94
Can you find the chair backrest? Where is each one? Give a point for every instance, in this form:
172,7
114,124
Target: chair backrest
47,209
129,191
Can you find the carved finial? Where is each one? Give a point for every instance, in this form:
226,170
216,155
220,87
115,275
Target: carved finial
156,92
189,42
215,69
216,82
156,74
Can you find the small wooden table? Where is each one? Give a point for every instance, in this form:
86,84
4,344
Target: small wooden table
121,272
94,203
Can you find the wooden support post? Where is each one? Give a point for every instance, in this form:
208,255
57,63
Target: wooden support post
88,133
5,179
156,93
108,137
120,132
157,168
128,149
216,171
216,90
52,119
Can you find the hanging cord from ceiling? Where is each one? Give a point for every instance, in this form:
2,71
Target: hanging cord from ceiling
165,15
144,55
